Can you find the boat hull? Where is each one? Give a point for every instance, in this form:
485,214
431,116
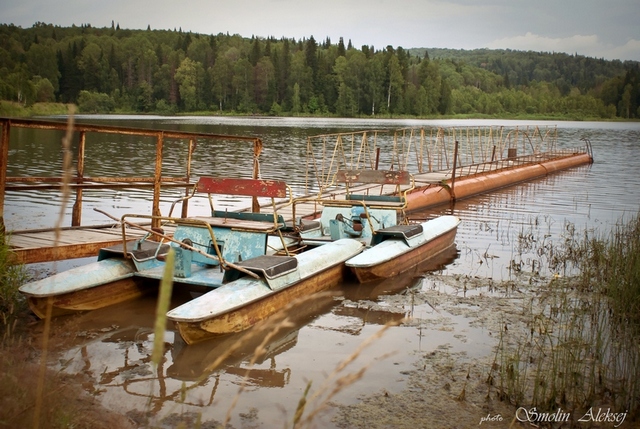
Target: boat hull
240,304
87,287
405,261
245,317
89,299
394,256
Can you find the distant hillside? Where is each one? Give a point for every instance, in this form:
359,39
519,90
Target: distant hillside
114,69
523,67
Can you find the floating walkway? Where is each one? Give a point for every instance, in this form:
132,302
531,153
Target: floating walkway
448,164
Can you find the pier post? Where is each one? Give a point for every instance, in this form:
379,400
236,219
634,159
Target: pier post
155,210
185,203
453,172
76,215
257,149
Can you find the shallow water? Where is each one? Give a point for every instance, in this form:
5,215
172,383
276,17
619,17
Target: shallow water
113,346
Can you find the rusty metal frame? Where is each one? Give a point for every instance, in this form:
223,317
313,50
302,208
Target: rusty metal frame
81,182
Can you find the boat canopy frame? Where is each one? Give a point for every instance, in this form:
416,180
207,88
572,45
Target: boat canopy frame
402,181
268,223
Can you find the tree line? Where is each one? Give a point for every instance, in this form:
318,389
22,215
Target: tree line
163,71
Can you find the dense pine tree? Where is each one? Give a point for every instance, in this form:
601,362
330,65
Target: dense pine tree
171,71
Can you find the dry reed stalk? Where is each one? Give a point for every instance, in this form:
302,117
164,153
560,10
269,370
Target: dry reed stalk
66,179
164,301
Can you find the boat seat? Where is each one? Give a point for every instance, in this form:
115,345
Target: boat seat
401,231
259,217
270,266
303,225
139,250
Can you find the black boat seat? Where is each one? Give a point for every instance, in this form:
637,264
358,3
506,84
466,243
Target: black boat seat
401,231
270,266
140,251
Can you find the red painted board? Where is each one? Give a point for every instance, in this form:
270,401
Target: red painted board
248,187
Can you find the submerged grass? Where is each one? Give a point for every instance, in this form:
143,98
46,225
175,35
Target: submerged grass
582,348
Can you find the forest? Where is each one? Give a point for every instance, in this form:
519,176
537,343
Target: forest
103,70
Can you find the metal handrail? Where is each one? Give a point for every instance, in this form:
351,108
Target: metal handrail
79,182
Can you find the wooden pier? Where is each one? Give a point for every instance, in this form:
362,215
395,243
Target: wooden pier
79,241
459,161
45,245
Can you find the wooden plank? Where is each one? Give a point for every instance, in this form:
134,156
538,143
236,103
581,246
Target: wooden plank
71,251
117,232
47,240
28,242
75,237
246,187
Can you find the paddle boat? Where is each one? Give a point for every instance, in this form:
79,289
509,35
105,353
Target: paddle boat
225,255
372,210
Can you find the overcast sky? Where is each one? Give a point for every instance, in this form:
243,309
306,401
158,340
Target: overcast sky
607,29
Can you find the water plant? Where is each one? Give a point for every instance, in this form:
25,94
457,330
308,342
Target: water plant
581,346
12,304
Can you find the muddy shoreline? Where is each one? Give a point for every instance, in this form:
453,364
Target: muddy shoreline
455,389
446,378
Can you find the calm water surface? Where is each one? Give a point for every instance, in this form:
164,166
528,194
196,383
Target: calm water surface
114,344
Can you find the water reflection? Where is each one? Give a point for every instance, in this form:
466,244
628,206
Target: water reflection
498,230
114,345
37,153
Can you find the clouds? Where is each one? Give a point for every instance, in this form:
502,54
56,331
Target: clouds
587,27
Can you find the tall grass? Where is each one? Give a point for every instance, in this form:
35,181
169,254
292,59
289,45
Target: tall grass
31,395
582,345
612,266
14,109
12,305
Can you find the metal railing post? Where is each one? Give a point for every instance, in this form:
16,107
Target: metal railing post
157,177
76,215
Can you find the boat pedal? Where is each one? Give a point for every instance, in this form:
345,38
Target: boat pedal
270,266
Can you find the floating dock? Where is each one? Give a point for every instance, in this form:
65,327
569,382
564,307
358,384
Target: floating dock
448,164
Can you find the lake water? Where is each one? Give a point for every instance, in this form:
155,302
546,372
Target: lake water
114,345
